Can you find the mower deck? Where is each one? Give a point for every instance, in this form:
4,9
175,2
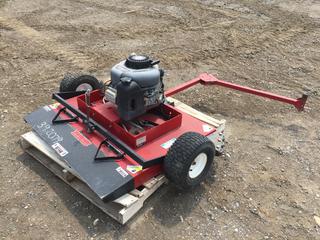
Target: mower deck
100,181
107,164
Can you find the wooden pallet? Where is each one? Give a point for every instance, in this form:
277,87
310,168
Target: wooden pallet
195,113
123,208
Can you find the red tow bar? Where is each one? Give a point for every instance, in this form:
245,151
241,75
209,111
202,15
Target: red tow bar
208,79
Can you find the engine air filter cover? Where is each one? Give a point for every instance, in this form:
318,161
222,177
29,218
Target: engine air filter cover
141,69
138,62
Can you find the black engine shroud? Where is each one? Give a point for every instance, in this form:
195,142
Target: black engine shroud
136,86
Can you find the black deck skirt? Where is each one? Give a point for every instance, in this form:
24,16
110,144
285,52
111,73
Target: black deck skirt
107,179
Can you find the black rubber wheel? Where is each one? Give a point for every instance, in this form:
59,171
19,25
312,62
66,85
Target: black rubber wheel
72,83
180,164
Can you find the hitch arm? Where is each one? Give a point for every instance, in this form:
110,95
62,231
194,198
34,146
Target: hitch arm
208,79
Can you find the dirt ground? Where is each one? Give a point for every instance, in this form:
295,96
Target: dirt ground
266,186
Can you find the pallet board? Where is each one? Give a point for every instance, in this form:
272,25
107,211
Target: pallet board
121,209
126,206
195,113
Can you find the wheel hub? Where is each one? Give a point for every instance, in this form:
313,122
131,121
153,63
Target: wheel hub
198,165
84,87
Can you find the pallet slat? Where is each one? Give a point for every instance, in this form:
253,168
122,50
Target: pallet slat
126,200
30,138
122,209
195,113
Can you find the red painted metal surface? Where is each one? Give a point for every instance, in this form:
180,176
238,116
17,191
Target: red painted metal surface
208,79
106,115
157,137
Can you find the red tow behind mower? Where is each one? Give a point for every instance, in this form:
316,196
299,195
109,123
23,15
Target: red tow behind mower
118,135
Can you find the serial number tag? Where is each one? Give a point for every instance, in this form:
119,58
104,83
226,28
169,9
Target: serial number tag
59,149
122,172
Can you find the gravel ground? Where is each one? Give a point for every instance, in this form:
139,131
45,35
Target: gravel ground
266,186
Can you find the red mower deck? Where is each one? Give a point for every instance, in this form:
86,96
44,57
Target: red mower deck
126,206
113,157
111,178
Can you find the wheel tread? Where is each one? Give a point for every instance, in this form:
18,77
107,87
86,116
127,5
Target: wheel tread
179,154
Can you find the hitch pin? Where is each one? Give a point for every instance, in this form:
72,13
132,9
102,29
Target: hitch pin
88,105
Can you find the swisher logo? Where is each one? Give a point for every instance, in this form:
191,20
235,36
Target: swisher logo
81,138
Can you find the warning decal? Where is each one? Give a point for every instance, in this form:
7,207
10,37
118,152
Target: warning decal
134,168
206,128
55,105
168,144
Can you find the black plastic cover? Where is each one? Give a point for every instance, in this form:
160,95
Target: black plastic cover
130,100
104,178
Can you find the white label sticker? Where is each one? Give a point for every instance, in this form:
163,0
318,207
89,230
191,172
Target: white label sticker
122,172
59,149
206,128
168,144
47,108
141,141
